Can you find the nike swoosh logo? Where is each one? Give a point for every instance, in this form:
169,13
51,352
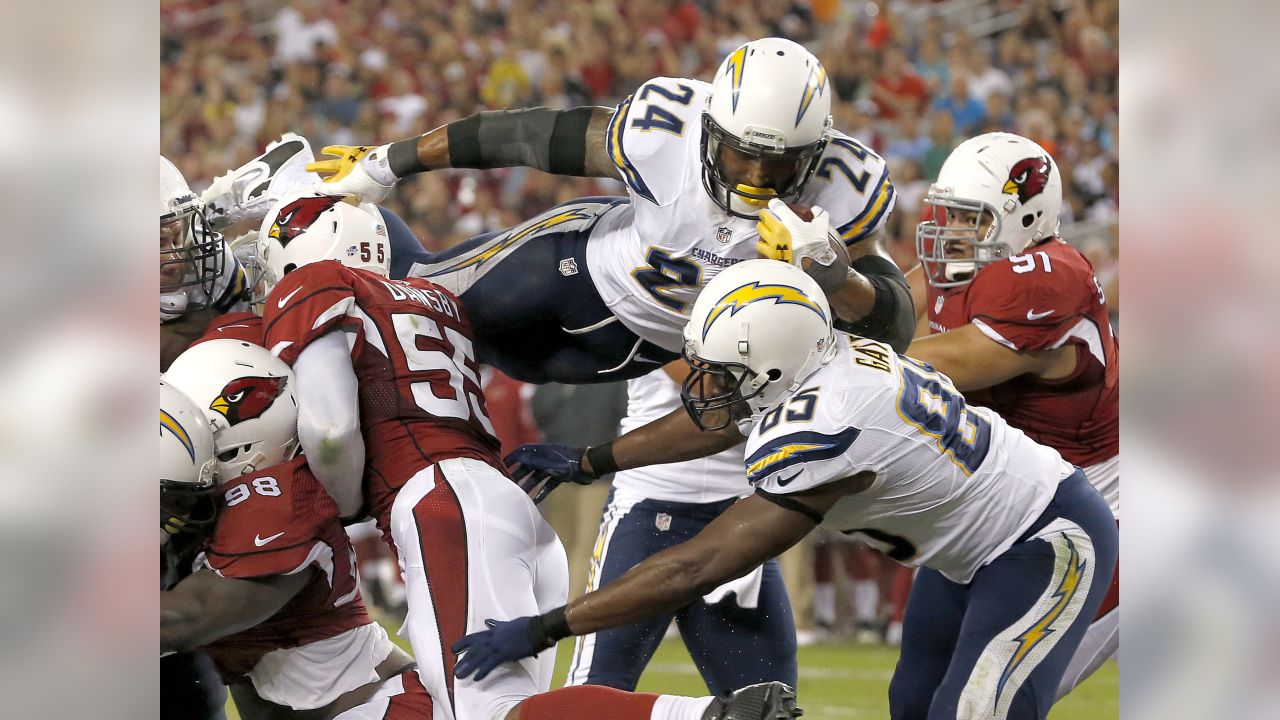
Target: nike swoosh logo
224,328
288,297
641,358
1036,316
784,483
260,541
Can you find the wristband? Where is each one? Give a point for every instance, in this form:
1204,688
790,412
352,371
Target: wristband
601,459
402,158
547,629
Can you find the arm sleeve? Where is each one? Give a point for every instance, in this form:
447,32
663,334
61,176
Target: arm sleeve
892,319
329,419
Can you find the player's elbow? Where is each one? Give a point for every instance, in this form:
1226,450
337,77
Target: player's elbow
892,319
692,575
326,439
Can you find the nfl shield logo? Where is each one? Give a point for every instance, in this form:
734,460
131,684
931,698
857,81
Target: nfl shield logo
568,266
663,522
723,235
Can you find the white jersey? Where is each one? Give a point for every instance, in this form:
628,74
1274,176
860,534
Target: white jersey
705,480
954,485
650,258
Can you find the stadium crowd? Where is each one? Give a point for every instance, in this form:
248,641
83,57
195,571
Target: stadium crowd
912,78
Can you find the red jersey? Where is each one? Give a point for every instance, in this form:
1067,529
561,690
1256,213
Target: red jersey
1043,299
233,326
420,396
281,521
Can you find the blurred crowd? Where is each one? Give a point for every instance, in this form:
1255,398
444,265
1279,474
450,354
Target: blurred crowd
912,78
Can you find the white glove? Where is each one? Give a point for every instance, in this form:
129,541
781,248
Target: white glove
786,237
362,171
249,191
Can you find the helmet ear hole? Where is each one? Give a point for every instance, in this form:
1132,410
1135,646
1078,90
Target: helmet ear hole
774,374
1027,220
290,268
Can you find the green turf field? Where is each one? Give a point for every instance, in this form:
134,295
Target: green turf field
839,682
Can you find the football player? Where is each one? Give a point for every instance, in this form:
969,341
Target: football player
1015,546
389,397
199,275
700,161
189,683
1017,318
276,603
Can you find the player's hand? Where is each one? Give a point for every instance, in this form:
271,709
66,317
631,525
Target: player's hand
359,170
811,245
539,468
503,642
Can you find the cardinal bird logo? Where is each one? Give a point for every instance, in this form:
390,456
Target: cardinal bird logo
247,398
1028,178
294,218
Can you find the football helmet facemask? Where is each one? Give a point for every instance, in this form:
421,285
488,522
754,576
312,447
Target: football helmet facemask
191,254
996,194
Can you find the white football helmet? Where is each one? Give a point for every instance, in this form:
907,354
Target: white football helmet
996,194
247,395
187,468
249,191
191,254
306,227
756,332
771,103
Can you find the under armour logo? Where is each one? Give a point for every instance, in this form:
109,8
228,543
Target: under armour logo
568,266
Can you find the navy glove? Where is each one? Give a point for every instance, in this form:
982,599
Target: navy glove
538,468
502,642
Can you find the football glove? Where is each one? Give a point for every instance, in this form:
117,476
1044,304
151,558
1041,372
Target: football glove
249,191
359,170
504,641
810,246
539,468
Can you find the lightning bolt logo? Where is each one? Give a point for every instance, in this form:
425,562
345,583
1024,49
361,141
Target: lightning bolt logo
170,423
786,451
744,295
1041,629
816,85
504,243
734,67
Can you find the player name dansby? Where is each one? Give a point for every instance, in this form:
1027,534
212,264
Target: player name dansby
431,298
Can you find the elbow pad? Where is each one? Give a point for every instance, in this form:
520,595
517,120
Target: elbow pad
892,319
553,141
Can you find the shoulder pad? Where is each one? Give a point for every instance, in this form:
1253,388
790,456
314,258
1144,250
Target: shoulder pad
651,134
852,184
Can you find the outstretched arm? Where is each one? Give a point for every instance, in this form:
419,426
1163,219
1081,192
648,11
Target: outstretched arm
750,532
563,142
974,361
206,606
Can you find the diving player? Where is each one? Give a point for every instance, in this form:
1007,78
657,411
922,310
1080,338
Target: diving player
1018,319
1015,547
700,161
389,397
